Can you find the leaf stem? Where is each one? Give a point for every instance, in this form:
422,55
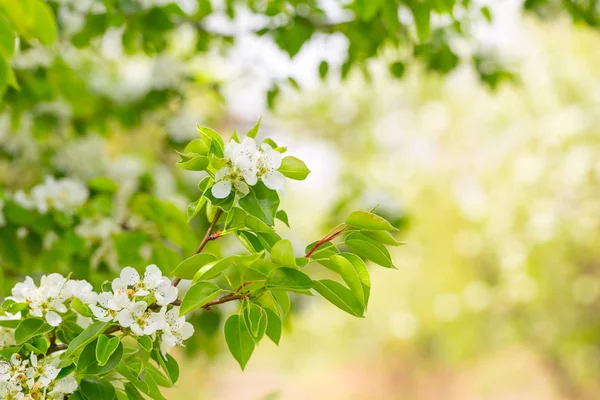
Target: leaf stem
208,237
327,238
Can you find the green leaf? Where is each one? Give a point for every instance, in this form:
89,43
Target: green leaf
190,266
93,389
283,253
289,279
367,9
196,163
30,328
103,184
422,15
323,69
212,137
105,348
397,69
87,336
158,377
168,364
283,217
273,326
197,146
369,221
250,241
7,38
261,202
214,269
256,225
44,26
239,340
132,393
254,130
195,207
362,272
145,343
199,294
88,362
4,73
368,248
382,237
255,319
293,168
340,296
349,274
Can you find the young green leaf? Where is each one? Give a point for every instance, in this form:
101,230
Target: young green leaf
254,130
88,362
190,266
273,326
382,237
422,15
30,328
283,217
293,168
93,389
283,253
368,221
196,163
214,269
256,225
88,335
199,294
239,340
261,202
289,279
197,146
366,247
105,348
340,296
255,319
350,276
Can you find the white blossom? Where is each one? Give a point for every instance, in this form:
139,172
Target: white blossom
268,162
239,171
245,165
63,195
175,330
140,319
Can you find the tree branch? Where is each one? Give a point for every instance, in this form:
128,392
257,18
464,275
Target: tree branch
327,238
208,237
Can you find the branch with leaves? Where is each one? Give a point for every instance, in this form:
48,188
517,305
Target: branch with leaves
114,342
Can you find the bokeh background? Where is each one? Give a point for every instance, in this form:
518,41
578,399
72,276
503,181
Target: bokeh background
496,193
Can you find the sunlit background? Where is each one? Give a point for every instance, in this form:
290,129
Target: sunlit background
497,195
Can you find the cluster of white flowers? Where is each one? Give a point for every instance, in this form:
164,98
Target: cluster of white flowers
139,304
129,304
34,379
48,300
246,164
63,195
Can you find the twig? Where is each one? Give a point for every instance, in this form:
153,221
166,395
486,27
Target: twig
209,236
327,238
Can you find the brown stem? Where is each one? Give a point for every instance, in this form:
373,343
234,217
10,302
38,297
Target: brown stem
327,238
225,299
205,240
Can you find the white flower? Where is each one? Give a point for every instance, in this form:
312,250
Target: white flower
109,304
63,195
62,387
268,161
140,319
175,330
47,300
165,293
240,170
83,290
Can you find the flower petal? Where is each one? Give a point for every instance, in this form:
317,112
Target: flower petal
221,189
130,276
274,180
